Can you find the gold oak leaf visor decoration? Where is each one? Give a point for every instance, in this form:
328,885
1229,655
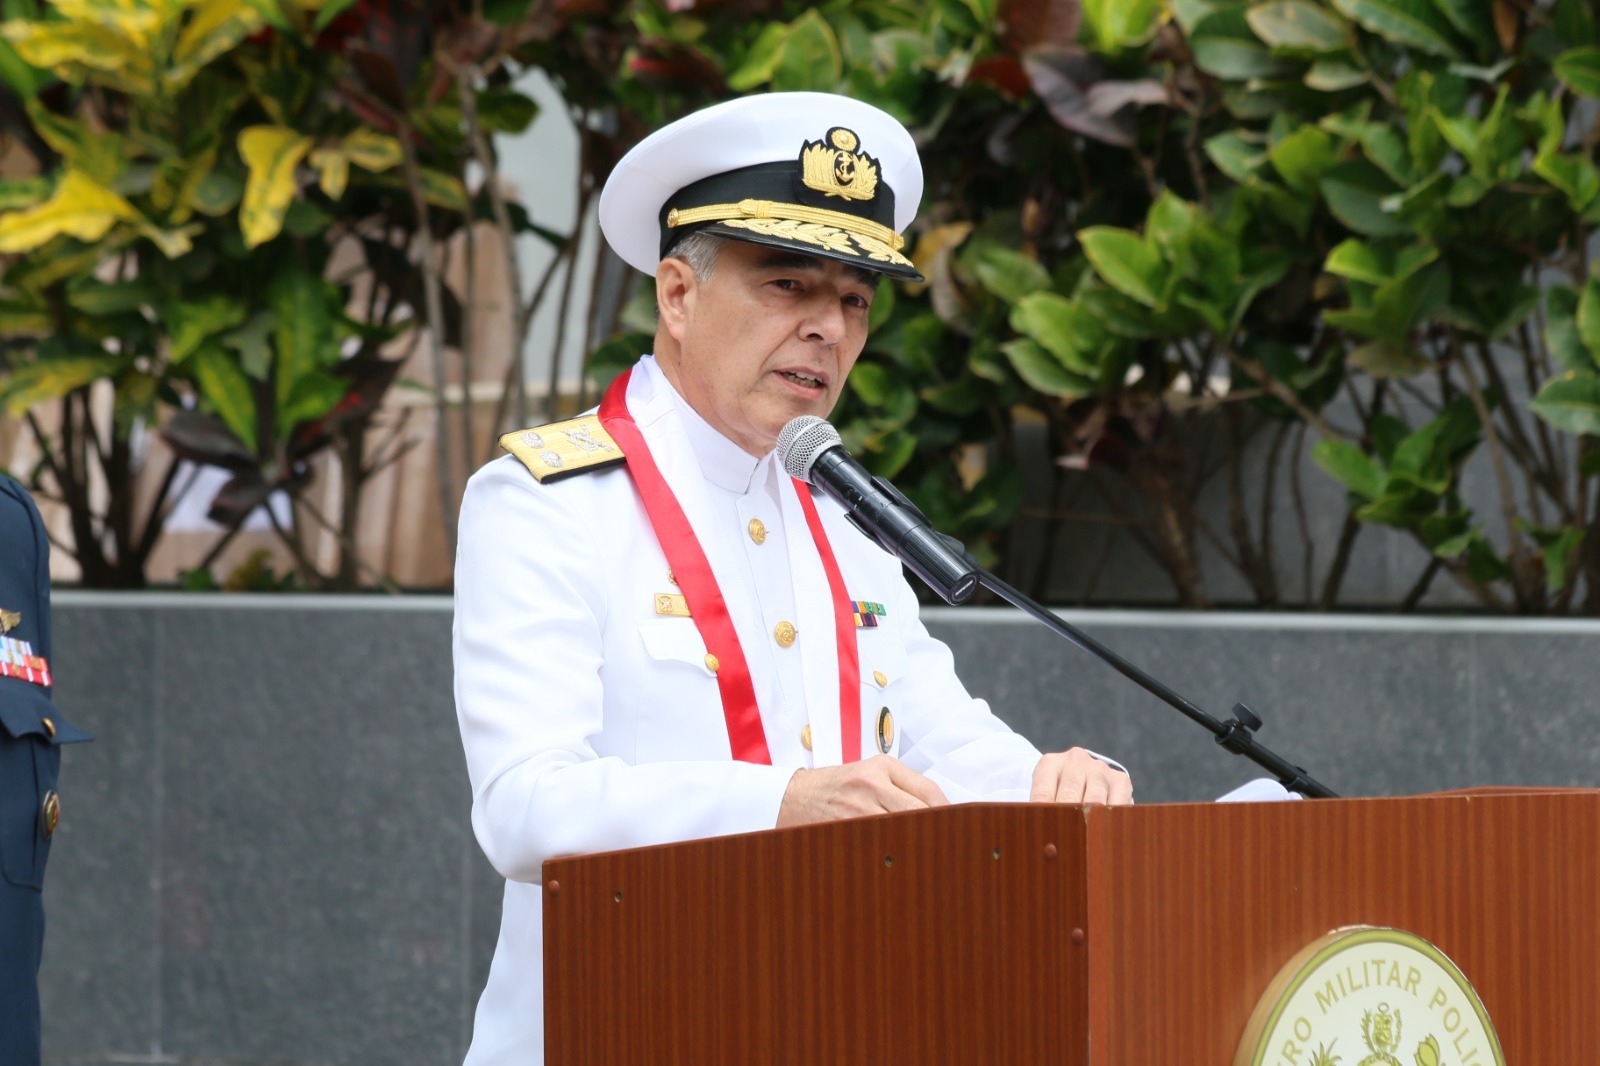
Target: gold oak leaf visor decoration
829,201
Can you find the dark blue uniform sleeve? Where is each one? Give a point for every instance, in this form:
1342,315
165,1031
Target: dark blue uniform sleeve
31,733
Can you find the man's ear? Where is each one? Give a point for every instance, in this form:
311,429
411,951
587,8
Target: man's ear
676,289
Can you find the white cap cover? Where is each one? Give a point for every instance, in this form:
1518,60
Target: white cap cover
824,174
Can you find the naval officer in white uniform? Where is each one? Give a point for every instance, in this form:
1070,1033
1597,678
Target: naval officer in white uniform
659,635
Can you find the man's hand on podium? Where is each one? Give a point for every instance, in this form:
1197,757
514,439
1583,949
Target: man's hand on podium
1075,776
874,786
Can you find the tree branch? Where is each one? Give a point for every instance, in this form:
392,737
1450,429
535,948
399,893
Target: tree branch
1521,567
433,306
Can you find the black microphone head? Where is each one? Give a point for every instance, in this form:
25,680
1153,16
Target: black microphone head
801,441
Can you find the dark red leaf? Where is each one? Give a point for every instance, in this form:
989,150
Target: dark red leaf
205,440
1109,97
1062,77
671,65
242,494
370,378
1029,23
1004,73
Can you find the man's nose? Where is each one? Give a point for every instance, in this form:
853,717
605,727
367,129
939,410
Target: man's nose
825,321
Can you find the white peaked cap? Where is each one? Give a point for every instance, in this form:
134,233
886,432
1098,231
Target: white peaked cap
833,177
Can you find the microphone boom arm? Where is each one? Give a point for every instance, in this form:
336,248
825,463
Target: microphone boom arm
812,452
1237,734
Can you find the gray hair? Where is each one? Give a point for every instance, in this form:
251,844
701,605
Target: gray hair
700,251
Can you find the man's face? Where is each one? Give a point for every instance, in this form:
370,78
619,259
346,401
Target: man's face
771,336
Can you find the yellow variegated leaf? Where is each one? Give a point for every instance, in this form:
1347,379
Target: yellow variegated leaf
176,181
44,380
25,323
20,317
83,51
63,134
271,153
227,391
333,168
444,190
56,261
172,242
438,188
164,182
23,192
95,153
188,191
210,18
138,23
80,208
134,22
371,150
216,27
275,14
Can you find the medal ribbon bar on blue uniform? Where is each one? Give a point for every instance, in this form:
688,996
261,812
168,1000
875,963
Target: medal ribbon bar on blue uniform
17,660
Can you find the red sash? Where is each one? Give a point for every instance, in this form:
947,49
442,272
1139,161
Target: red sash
708,609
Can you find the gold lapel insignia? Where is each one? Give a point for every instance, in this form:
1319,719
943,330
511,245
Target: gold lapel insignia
670,603
10,620
562,449
835,168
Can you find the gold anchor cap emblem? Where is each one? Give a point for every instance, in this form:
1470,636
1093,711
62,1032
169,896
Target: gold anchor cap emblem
834,167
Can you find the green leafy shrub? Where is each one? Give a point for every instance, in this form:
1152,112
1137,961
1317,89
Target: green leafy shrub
1149,227
199,166
1180,241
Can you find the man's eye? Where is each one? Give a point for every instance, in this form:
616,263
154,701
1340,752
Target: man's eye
787,284
859,302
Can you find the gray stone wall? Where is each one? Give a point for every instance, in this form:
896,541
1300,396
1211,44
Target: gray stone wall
265,857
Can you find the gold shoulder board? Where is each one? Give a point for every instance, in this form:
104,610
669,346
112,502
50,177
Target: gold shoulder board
564,448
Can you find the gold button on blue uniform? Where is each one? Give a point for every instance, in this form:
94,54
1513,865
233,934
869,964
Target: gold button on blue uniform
49,814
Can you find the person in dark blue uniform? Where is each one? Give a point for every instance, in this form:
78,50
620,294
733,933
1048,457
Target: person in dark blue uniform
31,732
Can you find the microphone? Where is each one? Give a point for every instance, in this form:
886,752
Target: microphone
812,451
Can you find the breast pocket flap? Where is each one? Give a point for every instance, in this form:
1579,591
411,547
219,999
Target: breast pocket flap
675,640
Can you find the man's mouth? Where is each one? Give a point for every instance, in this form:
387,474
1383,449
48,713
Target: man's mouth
800,377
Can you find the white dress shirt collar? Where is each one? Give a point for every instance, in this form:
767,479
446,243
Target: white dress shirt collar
724,463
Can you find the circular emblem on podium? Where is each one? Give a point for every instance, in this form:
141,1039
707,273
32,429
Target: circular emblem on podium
1367,996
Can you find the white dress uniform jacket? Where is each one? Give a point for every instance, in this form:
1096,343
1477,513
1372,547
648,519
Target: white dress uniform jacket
591,723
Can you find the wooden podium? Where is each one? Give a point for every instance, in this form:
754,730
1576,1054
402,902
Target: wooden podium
1016,934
